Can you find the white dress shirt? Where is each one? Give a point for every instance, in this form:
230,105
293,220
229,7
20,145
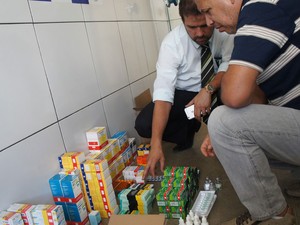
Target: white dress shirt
179,62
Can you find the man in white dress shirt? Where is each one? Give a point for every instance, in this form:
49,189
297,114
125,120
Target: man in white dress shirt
178,83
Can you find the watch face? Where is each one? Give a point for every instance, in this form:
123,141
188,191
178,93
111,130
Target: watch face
210,88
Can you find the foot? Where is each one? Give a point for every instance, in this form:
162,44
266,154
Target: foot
241,220
287,219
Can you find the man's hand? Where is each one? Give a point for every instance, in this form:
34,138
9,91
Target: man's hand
156,154
202,103
206,147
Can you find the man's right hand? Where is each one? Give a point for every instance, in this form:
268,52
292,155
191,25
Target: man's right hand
156,154
206,147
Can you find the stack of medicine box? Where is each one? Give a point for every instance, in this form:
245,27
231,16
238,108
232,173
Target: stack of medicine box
67,192
98,143
178,188
71,161
122,138
142,152
117,167
134,173
119,151
24,210
48,215
98,182
132,145
10,218
138,197
129,155
109,149
112,153
145,198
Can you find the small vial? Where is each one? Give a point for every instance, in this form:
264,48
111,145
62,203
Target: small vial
197,222
189,223
191,214
218,183
188,219
204,221
197,219
181,221
211,186
206,184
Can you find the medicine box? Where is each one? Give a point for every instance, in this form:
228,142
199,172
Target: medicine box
48,214
71,186
94,217
97,138
55,185
71,160
55,215
25,210
10,218
77,211
122,139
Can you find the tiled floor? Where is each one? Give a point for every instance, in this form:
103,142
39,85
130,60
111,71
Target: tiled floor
227,204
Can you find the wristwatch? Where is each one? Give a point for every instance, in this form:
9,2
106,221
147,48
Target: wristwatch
210,89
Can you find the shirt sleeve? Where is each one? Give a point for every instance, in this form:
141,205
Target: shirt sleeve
226,51
222,46
262,32
167,66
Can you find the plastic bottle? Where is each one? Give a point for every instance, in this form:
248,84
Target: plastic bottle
196,219
181,221
218,183
204,221
211,186
191,214
188,219
206,184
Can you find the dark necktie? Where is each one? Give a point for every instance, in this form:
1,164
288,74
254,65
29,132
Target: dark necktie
207,74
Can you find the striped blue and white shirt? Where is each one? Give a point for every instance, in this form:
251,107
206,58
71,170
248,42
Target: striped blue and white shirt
268,40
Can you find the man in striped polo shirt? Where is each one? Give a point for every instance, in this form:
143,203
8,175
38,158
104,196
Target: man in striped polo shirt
260,118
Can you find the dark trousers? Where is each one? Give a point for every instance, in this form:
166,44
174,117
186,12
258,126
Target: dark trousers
179,129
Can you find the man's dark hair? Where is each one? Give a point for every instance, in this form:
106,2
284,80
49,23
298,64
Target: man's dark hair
188,8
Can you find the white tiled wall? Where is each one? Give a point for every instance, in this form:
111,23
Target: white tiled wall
65,68
173,16
133,9
26,105
134,50
108,56
68,65
99,10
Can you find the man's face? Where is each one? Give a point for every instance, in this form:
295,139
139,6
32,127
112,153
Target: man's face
197,29
222,14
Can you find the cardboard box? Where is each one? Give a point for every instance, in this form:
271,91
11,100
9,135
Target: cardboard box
137,219
142,100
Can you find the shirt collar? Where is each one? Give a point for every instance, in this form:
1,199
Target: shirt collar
209,42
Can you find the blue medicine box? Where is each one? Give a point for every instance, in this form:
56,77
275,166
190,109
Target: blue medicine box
55,185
